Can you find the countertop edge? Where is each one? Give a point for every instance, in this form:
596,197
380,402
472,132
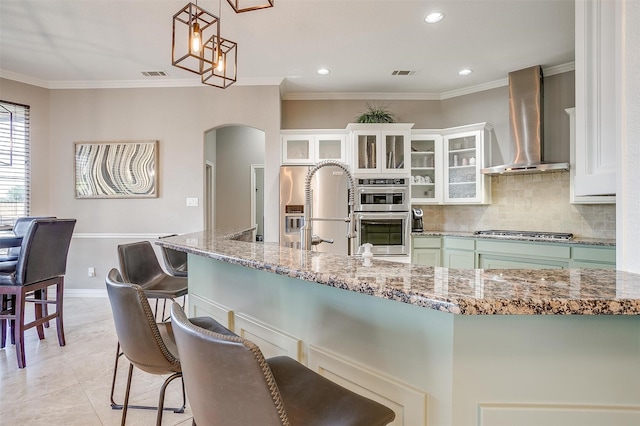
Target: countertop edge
451,303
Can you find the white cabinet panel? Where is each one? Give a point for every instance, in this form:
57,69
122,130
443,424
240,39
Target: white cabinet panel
573,170
557,415
595,154
409,403
271,342
202,307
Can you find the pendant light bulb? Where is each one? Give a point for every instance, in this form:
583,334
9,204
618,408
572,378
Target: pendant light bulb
196,39
219,62
220,66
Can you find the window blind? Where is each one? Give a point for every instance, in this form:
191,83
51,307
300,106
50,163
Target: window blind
14,162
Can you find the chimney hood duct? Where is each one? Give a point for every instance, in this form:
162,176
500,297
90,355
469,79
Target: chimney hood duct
526,122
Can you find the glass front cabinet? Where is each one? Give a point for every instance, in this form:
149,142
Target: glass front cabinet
466,153
381,148
313,146
426,167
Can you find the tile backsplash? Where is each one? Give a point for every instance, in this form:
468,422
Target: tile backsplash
529,202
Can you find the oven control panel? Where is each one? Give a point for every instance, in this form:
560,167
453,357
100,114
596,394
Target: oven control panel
378,181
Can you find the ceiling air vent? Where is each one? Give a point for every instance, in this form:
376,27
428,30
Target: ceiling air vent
403,72
154,73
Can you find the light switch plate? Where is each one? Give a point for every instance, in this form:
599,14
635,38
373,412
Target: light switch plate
192,202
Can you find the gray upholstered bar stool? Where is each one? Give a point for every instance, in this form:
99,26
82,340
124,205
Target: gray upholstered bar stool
139,265
230,383
174,260
147,344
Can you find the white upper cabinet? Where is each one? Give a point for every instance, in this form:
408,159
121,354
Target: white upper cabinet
381,148
313,146
466,153
580,199
446,165
595,115
426,167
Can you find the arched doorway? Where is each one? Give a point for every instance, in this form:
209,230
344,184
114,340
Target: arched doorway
234,156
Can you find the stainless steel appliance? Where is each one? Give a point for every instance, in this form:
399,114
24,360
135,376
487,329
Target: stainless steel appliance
382,215
329,187
526,122
382,194
535,235
416,224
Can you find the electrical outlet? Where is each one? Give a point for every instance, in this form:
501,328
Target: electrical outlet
192,202
92,271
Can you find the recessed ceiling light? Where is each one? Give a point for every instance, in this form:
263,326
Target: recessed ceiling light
465,72
323,71
434,17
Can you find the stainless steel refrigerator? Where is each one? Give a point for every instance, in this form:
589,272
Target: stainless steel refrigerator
329,187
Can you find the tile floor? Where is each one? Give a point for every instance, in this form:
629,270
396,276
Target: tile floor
70,385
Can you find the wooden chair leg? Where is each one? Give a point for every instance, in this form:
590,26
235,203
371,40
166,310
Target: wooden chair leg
59,303
37,295
4,306
45,307
18,329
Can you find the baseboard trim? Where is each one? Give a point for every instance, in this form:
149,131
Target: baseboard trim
85,292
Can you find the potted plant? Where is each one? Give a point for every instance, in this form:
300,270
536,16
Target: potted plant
376,113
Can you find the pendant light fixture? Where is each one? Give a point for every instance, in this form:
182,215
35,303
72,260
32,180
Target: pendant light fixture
223,55
192,26
197,45
248,5
224,72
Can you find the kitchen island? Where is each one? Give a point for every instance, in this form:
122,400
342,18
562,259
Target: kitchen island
442,347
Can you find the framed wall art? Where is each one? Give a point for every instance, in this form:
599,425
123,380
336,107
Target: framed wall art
124,169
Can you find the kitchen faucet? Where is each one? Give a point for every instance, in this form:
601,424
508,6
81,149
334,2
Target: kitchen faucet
307,239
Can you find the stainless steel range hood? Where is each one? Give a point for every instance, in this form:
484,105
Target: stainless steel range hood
526,122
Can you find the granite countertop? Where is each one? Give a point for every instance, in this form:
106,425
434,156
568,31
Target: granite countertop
457,291
581,241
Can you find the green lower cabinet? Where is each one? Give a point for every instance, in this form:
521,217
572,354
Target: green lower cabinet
426,251
458,259
494,254
469,253
459,253
593,257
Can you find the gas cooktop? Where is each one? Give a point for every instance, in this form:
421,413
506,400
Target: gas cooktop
562,236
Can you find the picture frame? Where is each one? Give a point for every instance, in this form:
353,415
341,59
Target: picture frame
119,169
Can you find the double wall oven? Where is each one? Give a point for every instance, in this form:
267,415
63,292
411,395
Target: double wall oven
382,215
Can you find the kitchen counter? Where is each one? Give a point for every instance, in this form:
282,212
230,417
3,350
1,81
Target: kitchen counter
443,356
579,241
464,292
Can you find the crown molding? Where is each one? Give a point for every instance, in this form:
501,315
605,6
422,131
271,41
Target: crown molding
293,96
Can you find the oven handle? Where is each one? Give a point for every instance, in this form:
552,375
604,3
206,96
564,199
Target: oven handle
382,215
383,189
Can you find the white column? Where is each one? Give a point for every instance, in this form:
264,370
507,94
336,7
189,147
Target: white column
628,135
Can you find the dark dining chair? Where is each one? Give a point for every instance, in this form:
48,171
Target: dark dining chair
229,382
41,264
147,344
9,261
